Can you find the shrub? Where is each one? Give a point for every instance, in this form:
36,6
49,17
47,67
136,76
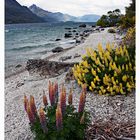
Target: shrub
107,71
58,121
129,38
111,30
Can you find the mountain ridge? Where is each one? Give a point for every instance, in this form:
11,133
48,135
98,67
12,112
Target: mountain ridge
58,16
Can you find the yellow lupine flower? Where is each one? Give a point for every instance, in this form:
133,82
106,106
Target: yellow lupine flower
122,67
94,80
130,65
93,72
88,52
115,73
84,56
124,78
86,71
100,92
108,47
79,82
102,89
92,84
128,85
117,81
85,63
121,91
120,84
126,67
90,88
97,78
117,90
100,47
116,58
98,70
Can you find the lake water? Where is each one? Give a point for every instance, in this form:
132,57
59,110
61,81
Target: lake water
35,40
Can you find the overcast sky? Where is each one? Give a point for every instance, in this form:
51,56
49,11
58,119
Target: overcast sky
78,7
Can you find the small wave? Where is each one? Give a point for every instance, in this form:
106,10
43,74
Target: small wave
67,42
6,31
24,48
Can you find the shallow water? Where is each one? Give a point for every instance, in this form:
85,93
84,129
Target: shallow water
27,41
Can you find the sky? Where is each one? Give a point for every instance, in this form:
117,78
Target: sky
78,7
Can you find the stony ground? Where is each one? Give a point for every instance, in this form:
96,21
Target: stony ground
116,109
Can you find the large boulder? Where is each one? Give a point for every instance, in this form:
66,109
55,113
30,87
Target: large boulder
57,49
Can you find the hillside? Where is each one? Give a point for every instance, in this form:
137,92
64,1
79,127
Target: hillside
15,13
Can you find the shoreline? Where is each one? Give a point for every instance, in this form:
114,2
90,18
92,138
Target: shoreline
73,53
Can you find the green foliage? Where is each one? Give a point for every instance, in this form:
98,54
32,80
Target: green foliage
129,19
72,129
111,19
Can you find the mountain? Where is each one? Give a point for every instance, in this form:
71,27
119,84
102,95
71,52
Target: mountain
50,16
15,13
60,17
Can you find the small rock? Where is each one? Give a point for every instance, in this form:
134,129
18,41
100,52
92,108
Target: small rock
68,35
74,31
57,49
77,55
58,39
78,41
19,85
68,28
64,58
82,25
18,66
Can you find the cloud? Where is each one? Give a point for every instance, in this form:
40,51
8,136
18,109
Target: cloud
78,7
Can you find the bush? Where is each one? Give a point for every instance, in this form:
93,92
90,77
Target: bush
129,38
58,121
110,71
111,30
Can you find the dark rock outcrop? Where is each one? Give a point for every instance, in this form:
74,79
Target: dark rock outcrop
47,68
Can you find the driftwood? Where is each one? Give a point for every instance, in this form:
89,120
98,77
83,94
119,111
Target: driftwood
111,131
47,68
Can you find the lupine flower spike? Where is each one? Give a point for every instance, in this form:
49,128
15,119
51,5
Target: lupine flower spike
30,114
63,100
56,92
81,102
25,102
82,118
43,120
70,97
33,106
51,93
58,118
45,101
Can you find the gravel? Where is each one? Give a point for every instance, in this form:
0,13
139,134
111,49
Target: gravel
116,109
